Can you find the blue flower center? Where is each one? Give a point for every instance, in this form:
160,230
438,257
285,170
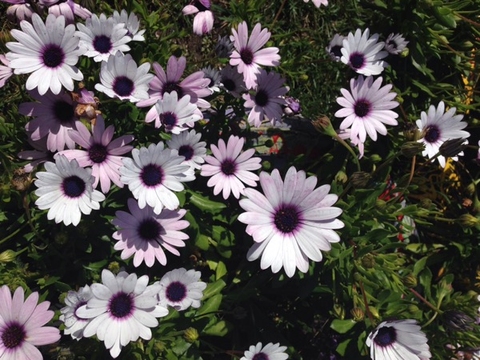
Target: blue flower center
260,356
286,219
13,336
73,186
385,336
121,305
149,229
169,119
102,44
176,291
228,167
432,134
123,86
357,60
53,56
152,175
172,86
97,153
362,107
186,151
63,112
261,98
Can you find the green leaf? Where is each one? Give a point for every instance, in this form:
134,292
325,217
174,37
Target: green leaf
221,270
204,203
213,288
419,265
211,305
220,328
342,326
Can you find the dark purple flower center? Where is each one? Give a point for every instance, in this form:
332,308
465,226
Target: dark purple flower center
121,305
123,86
186,151
246,55
13,336
152,175
149,229
102,44
73,186
362,107
357,60
172,86
53,56
432,134
261,98
336,50
168,119
98,153
63,112
260,356
385,336
200,5
229,84
286,219
228,167
176,291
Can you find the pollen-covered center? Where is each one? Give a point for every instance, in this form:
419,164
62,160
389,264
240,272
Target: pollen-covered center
98,153
73,186
362,107
260,356
63,112
168,118
176,291
13,335
149,229
246,55
385,336
123,86
357,60
53,56
286,219
432,134
152,175
186,151
261,98
172,86
120,305
228,167
102,44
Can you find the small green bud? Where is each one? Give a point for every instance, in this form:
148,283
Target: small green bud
467,220
411,148
114,267
324,125
380,204
412,133
7,256
426,203
357,314
375,158
373,310
410,281
341,177
339,311
191,335
413,309
360,179
266,165
404,53
368,261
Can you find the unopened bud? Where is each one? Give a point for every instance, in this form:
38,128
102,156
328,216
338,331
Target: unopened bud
373,310
368,261
380,204
191,335
413,309
360,179
341,177
357,314
324,125
452,147
458,321
467,220
410,281
114,267
339,311
7,256
411,148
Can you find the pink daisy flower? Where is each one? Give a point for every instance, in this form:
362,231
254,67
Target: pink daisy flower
5,71
229,168
203,21
67,8
100,152
22,325
248,55
146,235
20,9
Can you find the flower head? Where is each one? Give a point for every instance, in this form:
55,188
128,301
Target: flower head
131,23
67,8
188,145
395,43
229,168
249,55
268,352
334,49
5,71
291,222
49,51
232,81
19,10
175,114
398,339
203,21
74,324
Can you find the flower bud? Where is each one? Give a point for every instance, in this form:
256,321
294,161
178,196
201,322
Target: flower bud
360,179
324,125
114,267
357,314
191,335
411,148
410,281
373,310
456,320
467,220
339,311
7,256
341,177
452,147
368,261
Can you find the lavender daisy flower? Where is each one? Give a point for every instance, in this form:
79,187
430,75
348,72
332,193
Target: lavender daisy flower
214,76
203,21
131,23
19,10
181,289
367,108
398,339
188,144
232,81
395,43
229,169
54,116
176,115
292,223
154,174
248,55
67,8
438,126
363,53
123,308
74,324
145,234
5,71
103,37
224,47
267,100
317,3
268,352
65,189
334,49
121,78
22,325
38,156
48,51
100,152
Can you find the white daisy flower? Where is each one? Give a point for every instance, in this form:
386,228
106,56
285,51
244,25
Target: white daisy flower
363,53
334,48
66,189
268,352
49,51
398,339
154,174
181,289
103,37
176,115
188,144
74,324
120,77
395,43
214,76
122,309
438,126
131,23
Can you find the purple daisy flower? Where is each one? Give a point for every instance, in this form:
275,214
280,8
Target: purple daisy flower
203,21
74,324
67,8
175,114
5,71
229,169
395,43
20,10
188,144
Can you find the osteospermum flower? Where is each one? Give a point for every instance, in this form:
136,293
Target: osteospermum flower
249,55
317,3
232,81
145,235
123,308
22,325
181,289
188,145
363,53
67,8
268,352
438,126
175,114
154,174
267,99
121,78
38,156
19,9
65,189
100,151
49,51
224,47
131,23
395,43
214,76
203,20
398,339
103,37
334,48
74,324
229,169
291,222
367,108
5,71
